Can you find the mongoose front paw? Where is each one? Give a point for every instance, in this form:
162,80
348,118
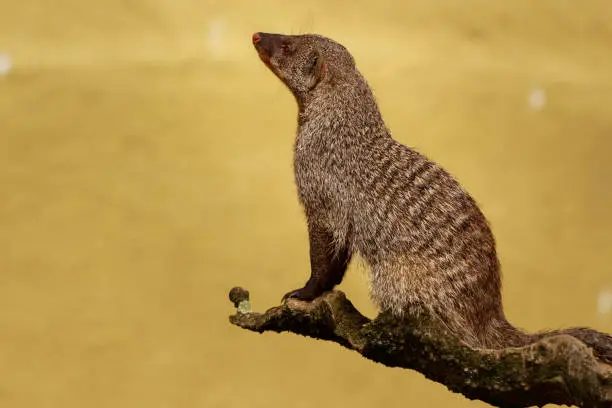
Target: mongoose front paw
306,294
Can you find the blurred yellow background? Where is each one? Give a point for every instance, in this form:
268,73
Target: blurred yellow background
146,169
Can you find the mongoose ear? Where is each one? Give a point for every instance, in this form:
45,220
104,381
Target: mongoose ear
320,66
317,69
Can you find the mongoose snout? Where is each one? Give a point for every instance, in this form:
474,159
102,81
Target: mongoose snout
267,44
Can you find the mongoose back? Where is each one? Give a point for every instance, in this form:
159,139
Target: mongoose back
423,237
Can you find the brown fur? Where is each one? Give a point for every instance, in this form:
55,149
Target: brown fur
423,236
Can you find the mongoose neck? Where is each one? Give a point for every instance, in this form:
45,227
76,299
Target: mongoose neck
347,107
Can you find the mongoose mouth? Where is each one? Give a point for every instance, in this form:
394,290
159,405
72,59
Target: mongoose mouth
265,58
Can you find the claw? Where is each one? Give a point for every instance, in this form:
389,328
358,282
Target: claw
305,294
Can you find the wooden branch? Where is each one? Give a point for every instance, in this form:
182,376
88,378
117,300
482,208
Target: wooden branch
557,370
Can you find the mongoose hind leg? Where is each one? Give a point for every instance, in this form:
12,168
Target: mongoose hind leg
327,264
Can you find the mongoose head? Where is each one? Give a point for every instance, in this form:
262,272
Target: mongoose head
305,62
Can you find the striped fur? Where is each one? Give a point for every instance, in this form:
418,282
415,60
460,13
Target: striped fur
426,242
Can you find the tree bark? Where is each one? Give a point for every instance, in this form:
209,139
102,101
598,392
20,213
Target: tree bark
556,370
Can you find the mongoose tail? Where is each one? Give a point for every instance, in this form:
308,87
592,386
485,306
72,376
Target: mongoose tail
510,336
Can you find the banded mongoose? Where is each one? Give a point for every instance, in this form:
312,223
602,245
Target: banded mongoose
423,237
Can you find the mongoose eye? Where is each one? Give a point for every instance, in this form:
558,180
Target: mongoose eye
285,47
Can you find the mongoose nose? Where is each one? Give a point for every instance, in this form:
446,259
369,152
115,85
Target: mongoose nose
256,38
